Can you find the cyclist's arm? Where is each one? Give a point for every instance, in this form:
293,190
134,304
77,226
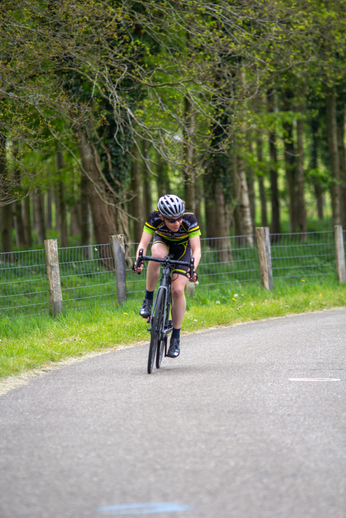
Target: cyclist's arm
144,243
195,244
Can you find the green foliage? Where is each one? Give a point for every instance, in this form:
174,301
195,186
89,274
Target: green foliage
122,71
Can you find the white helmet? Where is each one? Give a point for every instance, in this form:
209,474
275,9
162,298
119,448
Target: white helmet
171,205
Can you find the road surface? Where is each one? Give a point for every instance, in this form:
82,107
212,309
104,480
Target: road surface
249,422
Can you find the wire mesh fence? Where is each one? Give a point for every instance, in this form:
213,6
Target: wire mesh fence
228,260
135,284
88,278
224,260
24,287
302,255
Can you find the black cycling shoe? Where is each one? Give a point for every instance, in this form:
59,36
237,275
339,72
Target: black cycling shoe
174,348
145,310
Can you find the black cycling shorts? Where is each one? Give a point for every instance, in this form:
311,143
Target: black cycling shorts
178,251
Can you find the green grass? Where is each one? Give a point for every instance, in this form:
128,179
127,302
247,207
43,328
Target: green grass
32,342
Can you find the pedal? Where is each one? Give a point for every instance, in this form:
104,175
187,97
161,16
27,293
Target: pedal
148,320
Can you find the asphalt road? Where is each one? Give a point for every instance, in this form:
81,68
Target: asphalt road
224,431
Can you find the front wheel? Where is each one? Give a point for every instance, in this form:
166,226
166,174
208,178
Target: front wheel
161,346
156,330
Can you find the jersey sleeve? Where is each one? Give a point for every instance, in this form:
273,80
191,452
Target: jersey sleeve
192,229
195,233
152,223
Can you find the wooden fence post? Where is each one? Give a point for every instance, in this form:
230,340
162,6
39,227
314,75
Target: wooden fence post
118,251
264,255
339,253
53,271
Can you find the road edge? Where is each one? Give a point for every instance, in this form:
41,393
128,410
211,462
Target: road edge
12,382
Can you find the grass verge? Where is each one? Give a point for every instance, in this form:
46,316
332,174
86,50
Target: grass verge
30,342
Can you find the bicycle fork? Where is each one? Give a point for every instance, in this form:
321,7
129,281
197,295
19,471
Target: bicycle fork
168,323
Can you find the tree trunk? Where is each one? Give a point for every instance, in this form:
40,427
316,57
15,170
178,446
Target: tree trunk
237,225
314,124
198,211
291,173
243,202
260,175
60,205
49,224
39,218
60,215
290,162
147,195
162,179
333,154
5,210
302,223
275,222
210,209
224,245
75,211
26,213
215,180
136,202
189,169
6,230
18,223
146,181
57,210
342,162
102,214
124,228
17,205
86,217
210,219
235,211
251,187
75,221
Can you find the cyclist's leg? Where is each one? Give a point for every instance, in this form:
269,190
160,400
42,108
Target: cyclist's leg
181,252
179,302
160,250
178,310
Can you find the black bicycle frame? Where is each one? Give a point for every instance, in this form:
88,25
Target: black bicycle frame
166,279
165,284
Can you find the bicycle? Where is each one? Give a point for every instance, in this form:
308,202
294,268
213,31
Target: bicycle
160,325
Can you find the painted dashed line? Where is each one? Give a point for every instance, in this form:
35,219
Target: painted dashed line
314,379
143,508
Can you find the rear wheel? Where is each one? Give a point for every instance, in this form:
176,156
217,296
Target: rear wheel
156,330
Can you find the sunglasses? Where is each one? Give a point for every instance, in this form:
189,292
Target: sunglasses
174,220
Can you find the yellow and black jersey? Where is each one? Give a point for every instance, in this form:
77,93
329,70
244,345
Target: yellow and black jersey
188,227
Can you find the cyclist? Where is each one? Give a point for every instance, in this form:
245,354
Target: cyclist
176,233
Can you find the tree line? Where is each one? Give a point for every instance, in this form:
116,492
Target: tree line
106,105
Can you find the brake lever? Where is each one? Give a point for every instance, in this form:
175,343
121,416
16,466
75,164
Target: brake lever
192,265
139,262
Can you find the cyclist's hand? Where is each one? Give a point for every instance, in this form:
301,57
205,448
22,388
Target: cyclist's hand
135,269
194,277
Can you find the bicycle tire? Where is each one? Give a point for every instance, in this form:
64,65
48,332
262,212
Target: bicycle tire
162,345
159,354
156,328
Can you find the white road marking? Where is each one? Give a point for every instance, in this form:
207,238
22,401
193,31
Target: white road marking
314,379
144,508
